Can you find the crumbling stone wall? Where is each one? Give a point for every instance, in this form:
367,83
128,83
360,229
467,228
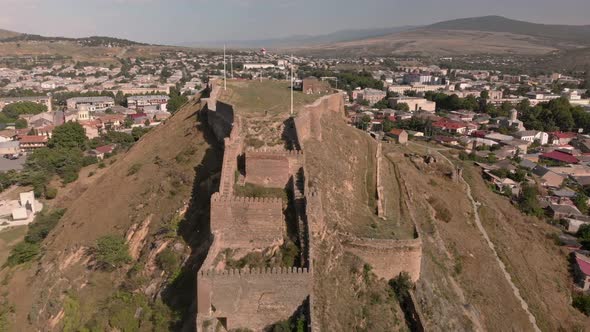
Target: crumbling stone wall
379,185
389,257
253,299
272,169
249,223
307,122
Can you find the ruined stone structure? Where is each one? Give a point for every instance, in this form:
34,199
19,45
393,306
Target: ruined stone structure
253,299
257,299
247,223
389,257
272,169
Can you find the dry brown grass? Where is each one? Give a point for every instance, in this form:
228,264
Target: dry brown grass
109,202
437,42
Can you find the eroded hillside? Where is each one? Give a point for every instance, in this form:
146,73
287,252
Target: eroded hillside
462,286
153,196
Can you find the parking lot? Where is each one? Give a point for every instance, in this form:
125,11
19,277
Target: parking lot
7,164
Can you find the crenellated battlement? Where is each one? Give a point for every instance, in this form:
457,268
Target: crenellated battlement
248,272
274,152
218,198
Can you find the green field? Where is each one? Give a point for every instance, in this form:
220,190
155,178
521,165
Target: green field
255,98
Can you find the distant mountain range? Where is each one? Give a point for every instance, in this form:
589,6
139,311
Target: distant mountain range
478,35
10,36
498,35
302,40
571,33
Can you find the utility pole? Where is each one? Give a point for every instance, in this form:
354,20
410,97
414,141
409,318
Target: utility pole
292,84
224,70
231,65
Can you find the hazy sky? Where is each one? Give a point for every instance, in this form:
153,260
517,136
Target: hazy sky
176,21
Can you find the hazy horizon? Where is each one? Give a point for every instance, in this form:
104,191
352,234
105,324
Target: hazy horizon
186,21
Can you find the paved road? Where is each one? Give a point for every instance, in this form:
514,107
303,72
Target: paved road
483,232
7,164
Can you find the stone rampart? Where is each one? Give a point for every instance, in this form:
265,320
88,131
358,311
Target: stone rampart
379,185
247,223
272,169
389,257
308,120
252,299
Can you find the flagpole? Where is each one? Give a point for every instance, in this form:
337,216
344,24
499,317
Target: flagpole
292,84
224,70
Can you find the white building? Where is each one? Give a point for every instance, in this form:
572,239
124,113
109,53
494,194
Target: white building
141,102
94,103
533,135
415,103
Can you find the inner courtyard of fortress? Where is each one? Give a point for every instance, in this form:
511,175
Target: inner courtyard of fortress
257,298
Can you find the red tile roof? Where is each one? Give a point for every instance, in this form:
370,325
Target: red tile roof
33,139
560,134
396,131
449,124
560,156
583,264
105,148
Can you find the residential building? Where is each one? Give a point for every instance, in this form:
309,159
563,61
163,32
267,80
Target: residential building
582,271
372,96
140,102
560,156
532,136
415,103
32,142
399,135
94,103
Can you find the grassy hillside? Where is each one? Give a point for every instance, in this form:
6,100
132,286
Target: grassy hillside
558,33
8,34
143,194
427,42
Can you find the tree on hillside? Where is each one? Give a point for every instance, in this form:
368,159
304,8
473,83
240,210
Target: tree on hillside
176,101
581,202
69,135
529,203
111,252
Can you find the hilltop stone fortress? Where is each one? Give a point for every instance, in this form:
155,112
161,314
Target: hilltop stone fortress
255,299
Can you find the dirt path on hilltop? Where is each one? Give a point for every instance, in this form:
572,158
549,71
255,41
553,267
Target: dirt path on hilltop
483,232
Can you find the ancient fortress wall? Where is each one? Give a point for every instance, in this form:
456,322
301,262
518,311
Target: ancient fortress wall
253,298
247,299
272,169
258,299
389,257
247,223
308,121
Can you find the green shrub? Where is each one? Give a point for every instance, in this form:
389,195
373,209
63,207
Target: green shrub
289,253
43,224
101,165
401,285
168,261
133,169
50,192
111,252
22,253
582,303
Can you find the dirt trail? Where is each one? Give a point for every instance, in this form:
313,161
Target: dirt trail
483,232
